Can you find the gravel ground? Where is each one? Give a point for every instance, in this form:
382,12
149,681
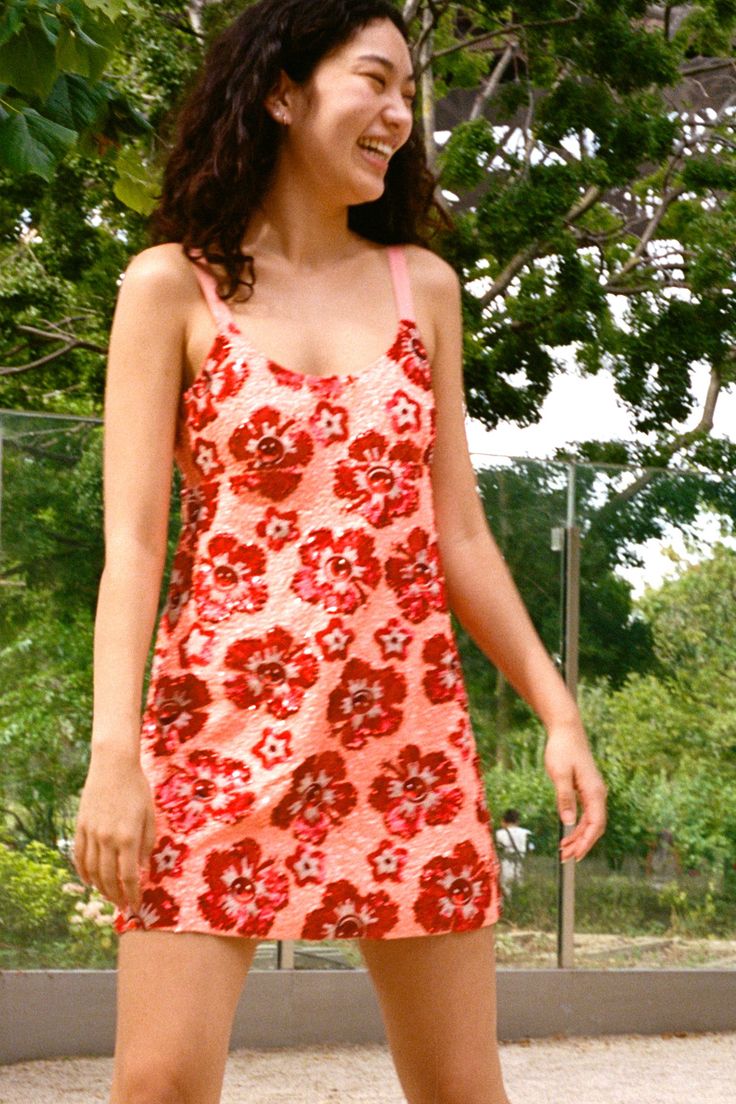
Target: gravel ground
605,1069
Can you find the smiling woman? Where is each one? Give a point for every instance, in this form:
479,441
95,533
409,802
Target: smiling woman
227,148
305,766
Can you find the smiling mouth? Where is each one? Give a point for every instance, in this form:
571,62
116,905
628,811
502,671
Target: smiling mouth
378,148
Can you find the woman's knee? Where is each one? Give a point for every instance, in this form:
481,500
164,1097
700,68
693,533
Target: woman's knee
147,1079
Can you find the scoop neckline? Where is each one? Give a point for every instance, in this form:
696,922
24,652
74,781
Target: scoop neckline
233,335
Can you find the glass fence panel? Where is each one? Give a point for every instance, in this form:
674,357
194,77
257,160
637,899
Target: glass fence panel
525,503
657,674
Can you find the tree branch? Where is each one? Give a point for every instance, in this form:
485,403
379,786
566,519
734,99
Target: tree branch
493,81
510,28
55,333
522,258
682,440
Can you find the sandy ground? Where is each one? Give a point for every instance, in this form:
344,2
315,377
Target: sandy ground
607,1069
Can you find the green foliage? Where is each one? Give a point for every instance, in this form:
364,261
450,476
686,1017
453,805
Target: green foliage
621,903
465,157
52,57
32,901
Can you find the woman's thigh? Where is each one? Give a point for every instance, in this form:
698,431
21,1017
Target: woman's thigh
177,993
437,995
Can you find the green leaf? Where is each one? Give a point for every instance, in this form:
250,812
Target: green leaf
29,142
11,19
85,49
74,102
134,186
27,62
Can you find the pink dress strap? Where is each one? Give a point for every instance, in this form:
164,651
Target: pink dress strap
402,287
220,310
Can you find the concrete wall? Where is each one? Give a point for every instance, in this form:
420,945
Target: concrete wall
53,1013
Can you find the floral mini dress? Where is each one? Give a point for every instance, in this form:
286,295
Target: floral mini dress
306,733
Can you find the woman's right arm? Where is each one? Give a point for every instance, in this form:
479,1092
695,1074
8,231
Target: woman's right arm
115,822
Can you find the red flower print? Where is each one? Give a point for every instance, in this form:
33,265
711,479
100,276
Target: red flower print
481,806
363,704
229,577
481,810
273,671
196,647
198,506
345,914
329,423
222,375
244,893
205,459
274,452
317,799
278,529
379,481
335,639
415,574
338,571
199,409
177,712
284,377
205,788
416,790
408,351
429,450
180,584
462,737
273,747
405,413
388,861
307,864
393,638
444,682
166,858
455,891
158,910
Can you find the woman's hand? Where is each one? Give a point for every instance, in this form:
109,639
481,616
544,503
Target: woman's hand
569,762
115,829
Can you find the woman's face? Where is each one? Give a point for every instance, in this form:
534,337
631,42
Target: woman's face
362,93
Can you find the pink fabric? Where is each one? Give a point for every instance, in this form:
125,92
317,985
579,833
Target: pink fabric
306,732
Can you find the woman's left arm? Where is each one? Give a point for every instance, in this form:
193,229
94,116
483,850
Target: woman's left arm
483,595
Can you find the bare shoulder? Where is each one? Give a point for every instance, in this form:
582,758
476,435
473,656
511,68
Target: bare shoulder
431,274
162,270
436,289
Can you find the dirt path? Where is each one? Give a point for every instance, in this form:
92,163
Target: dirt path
611,1069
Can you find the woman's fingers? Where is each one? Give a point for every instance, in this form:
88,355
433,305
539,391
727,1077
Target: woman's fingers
592,824
130,878
79,848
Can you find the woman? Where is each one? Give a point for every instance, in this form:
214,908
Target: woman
305,766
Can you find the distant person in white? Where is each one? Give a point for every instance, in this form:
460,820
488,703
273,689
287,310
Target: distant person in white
512,844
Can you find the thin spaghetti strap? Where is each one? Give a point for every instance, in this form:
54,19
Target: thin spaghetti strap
402,287
220,311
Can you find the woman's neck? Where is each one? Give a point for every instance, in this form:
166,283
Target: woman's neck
301,228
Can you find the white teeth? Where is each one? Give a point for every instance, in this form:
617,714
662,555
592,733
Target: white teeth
378,147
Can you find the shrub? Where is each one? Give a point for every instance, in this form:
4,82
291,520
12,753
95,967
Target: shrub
32,902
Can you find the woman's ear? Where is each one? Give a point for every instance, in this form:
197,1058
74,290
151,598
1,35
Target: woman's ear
277,103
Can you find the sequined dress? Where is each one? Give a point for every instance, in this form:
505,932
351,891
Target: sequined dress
306,733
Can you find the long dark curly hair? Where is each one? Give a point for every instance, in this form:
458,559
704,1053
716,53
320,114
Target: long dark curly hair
226,143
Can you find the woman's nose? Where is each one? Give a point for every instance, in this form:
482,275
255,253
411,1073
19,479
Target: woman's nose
400,116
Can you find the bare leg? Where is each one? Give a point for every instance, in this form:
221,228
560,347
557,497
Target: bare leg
437,995
177,993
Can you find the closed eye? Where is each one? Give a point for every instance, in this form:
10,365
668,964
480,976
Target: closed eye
410,97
